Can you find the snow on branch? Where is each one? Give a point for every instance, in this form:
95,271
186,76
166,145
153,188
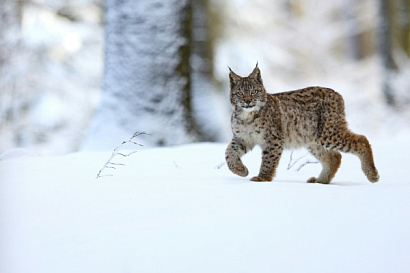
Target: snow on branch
112,165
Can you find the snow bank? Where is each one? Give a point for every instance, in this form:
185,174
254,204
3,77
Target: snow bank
180,210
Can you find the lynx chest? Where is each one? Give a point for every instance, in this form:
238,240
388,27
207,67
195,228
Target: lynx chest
248,127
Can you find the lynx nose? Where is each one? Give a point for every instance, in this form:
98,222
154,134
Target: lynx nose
248,103
248,100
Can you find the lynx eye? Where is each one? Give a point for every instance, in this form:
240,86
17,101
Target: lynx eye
240,93
254,92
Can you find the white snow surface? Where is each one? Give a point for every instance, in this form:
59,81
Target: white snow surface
178,209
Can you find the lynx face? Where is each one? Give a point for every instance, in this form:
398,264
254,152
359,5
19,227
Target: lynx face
247,93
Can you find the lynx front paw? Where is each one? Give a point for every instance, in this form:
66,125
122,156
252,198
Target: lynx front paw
240,170
373,176
260,179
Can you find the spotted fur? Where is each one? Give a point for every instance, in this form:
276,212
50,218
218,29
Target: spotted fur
313,117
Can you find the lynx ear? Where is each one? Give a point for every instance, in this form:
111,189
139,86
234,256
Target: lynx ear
256,75
233,78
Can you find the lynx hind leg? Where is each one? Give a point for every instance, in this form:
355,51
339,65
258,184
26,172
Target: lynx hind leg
360,146
330,161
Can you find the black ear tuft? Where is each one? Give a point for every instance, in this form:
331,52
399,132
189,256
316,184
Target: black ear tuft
233,78
256,75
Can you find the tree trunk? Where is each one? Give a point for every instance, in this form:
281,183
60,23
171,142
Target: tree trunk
202,74
388,65
352,26
147,78
11,100
403,18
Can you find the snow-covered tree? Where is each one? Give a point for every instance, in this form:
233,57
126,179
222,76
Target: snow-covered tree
403,25
49,72
386,51
147,78
11,101
204,89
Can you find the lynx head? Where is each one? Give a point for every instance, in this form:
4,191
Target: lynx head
247,93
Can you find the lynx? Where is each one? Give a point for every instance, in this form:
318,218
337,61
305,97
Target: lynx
312,117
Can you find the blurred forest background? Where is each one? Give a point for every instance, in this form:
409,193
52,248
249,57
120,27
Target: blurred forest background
87,74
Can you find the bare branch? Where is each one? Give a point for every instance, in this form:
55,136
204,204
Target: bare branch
304,164
176,165
293,162
126,155
117,164
290,161
220,165
109,164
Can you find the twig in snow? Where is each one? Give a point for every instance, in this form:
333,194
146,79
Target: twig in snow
305,163
220,165
176,165
111,165
292,163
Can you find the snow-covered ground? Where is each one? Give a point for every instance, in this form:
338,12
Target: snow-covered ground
180,210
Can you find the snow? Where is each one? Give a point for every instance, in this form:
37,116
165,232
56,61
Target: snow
179,209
